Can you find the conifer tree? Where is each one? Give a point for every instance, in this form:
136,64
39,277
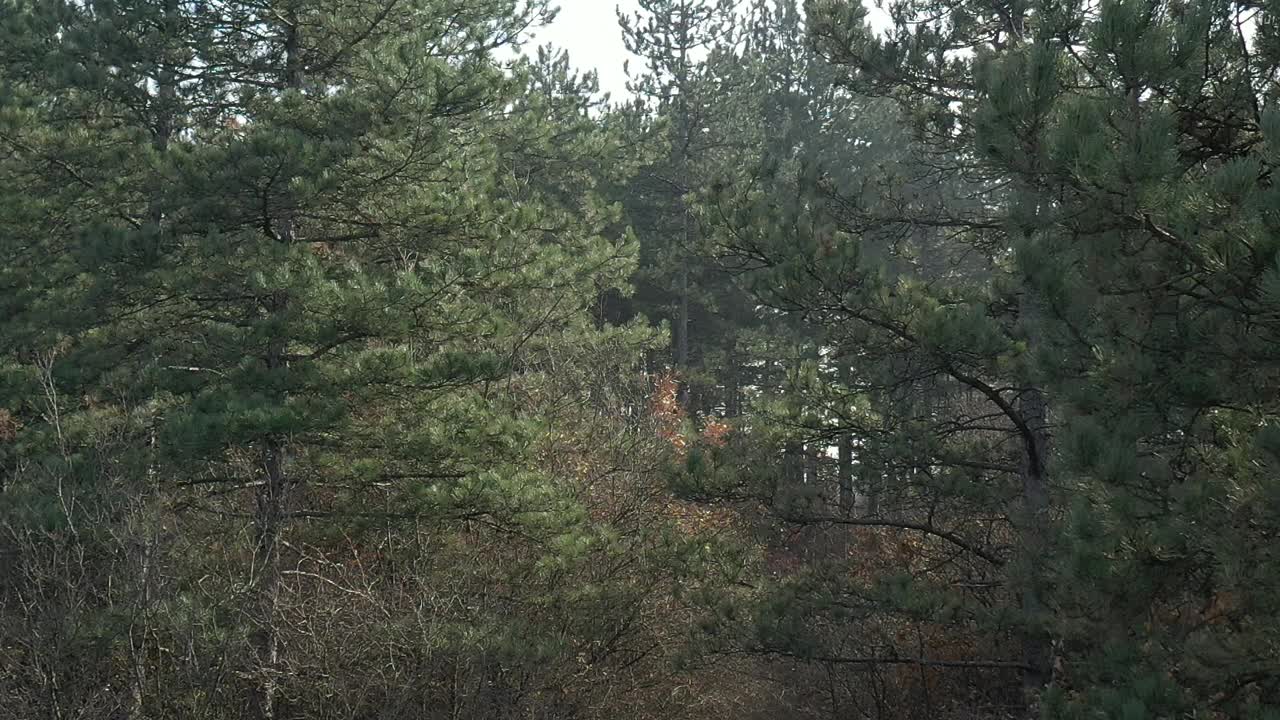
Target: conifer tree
890,257
675,40
304,240
1134,142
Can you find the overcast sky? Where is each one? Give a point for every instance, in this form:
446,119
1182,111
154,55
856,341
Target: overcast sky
588,29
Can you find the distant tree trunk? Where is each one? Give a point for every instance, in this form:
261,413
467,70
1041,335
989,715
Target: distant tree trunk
867,491
813,451
682,319
1034,532
272,496
163,128
815,448
792,474
604,312
142,563
733,386
844,456
685,139
268,521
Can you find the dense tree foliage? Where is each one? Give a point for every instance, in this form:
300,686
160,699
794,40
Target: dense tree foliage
358,360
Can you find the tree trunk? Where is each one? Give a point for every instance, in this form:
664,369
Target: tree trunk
139,628
815,448
682,333
1034,535
268,520
272,496
844,454
792,465
733,387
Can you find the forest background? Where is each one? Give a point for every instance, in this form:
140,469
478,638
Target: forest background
358,360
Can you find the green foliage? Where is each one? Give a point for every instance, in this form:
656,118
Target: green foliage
1130,138
327,335
286,290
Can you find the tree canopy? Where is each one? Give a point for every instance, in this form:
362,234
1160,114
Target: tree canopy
359,359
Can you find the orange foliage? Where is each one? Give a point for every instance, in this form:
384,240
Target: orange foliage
670,416
715,433
8,426
666,410
694,518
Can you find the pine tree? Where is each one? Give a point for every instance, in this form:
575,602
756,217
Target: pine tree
885,249
676,40
304,240
1135,141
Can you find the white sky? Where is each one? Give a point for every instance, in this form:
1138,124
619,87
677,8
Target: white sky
588,29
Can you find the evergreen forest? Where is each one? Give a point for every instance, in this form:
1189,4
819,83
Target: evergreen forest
363,360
